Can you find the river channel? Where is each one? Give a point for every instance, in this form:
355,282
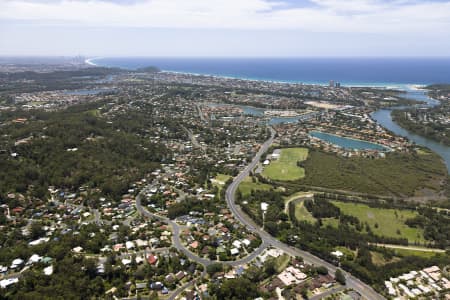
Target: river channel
384,118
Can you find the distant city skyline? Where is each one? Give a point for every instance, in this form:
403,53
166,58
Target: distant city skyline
232,28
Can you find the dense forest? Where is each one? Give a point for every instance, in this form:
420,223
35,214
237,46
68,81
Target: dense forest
74,148
436,225
399,174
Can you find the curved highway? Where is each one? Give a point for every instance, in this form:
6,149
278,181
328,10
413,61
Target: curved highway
352,282
179,246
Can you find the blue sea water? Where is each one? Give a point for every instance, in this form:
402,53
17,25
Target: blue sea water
348,71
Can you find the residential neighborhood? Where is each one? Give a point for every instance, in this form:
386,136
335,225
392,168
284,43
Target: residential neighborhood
122,184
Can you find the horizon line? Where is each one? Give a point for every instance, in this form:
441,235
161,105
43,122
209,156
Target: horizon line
218,56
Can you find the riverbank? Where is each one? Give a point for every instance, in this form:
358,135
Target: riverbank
427,131
385,119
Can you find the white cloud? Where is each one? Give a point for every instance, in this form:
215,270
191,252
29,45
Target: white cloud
371,16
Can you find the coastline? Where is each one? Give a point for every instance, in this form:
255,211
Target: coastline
379,85
401,87
89,61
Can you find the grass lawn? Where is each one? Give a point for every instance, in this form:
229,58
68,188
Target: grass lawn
379,260
302,214
347,251
285,168
423,254
221,179
281,262
247,185
423,152
330,221
388,220
93,112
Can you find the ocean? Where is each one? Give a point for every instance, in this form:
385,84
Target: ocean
388,72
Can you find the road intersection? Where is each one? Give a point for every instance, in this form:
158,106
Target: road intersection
352,282
267,240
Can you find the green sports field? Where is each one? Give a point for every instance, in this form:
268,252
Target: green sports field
285,168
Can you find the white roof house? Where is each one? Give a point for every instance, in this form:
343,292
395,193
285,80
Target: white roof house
337,253
48,270
38,241
17,262
264,206
296,273
129,245
7,282
237,244
432,269
275,252
77,249
139,259
34,259
291,276
246,242
141,243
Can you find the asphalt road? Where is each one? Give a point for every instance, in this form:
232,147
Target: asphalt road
352,282
327,293
179,290
179,246
194,141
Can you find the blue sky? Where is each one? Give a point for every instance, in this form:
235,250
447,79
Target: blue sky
225,28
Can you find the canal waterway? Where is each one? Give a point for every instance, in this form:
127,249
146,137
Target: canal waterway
382,117
347,143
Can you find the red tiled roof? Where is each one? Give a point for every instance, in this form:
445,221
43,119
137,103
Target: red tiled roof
152,259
